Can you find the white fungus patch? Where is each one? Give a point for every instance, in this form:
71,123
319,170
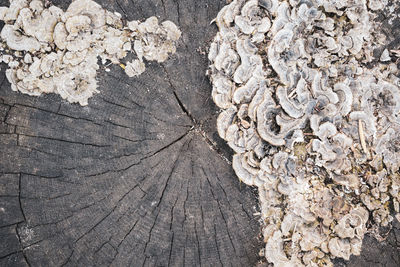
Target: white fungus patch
311,126
51,51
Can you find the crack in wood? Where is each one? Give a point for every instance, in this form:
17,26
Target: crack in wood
198,126
64,141
55,113
20,242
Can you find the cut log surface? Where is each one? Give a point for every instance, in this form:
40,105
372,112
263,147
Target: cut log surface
139,177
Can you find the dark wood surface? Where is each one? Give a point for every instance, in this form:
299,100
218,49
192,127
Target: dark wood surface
137,178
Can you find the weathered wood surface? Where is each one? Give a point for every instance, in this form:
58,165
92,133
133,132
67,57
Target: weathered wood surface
137,178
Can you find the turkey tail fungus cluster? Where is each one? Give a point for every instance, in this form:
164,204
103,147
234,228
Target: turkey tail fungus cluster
57,52
291,74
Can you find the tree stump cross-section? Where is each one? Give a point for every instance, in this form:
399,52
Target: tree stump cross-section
139,177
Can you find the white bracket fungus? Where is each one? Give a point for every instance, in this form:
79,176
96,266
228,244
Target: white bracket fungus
311,126
57,52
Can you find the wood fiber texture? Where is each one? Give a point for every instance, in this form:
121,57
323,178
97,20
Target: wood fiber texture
139,177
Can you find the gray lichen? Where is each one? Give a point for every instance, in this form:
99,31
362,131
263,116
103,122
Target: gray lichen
57,52
311,126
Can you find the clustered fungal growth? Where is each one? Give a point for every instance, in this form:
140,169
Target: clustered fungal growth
312,126
51,51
